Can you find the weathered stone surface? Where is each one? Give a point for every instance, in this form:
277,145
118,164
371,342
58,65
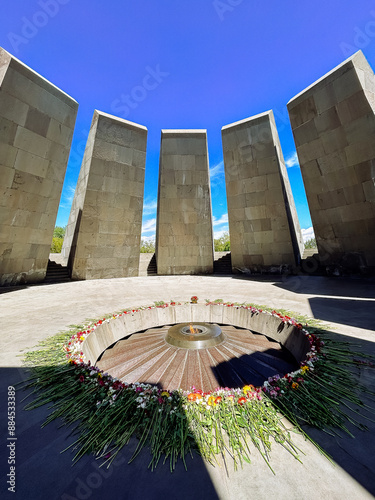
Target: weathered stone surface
184,242
334,128
104,230
263,224
36,128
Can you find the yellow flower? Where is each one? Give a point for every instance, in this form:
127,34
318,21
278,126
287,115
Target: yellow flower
211,401
248,388
100,375
165,393
305,369
295,385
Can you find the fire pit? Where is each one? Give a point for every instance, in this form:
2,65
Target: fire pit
194,335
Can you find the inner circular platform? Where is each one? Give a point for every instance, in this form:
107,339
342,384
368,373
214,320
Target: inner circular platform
240,357
195,335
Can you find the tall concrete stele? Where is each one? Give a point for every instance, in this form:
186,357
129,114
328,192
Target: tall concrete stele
263,224
36,129
333,125
103,235
184,241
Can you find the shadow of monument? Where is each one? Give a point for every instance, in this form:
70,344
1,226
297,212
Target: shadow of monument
334,286
16,288
253,368
44,473
12,288
358,313
353,454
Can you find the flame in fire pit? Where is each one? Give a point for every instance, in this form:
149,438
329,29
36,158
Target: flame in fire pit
192,329
194,335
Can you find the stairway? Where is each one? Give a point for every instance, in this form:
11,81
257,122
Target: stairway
223,265
243,358
56,273
309,252
151,268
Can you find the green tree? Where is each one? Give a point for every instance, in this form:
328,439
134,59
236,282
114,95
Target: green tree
58,238
59,232
310,243
56,245
222,244
147,246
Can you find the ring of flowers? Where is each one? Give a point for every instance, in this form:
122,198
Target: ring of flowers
210,422
274,387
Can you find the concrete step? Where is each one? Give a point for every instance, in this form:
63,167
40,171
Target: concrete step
152,268
223,265
309,252
56,273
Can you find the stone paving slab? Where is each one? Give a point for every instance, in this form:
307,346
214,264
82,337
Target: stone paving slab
35,312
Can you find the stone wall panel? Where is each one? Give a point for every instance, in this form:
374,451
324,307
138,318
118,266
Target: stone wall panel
338,166
104,230
36,129
184,241
263,224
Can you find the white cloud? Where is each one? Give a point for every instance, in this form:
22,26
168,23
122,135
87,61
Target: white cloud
149,238
218,222
67,197
219,234
292,161
149,226
307,234
149,207
217,170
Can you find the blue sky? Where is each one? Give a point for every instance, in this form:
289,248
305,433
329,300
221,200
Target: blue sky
185,64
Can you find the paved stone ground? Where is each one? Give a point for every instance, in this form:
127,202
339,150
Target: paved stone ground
31,313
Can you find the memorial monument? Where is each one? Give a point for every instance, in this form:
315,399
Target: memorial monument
263,224
334,129
36,128
103,234
184,241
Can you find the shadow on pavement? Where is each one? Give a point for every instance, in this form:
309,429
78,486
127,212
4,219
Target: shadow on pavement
357,313
44,473
354,455
320,285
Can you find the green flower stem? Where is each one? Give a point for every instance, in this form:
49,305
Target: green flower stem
105,420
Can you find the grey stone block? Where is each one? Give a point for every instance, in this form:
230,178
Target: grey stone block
259,196
338,167
104,229
184,241
30,185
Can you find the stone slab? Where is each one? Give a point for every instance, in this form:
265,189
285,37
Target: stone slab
260,201
36,128
184,240
333,123
103,234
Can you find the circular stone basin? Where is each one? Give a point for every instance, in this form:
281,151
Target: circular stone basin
194,335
